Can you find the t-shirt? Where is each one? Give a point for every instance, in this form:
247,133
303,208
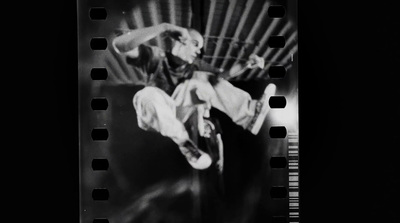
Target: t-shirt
158,67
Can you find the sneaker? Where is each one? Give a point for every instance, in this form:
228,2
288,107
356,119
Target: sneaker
196,158
262,109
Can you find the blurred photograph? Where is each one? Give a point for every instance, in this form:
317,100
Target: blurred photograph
188,111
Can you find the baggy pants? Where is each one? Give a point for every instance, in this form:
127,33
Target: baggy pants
157,111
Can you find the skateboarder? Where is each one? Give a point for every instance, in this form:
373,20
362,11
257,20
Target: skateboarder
178,83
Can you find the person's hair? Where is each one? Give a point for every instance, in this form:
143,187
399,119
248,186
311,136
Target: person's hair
194,30
174,36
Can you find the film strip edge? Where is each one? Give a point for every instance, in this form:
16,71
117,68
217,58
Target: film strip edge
293,172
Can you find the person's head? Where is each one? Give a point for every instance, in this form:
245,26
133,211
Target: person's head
190,49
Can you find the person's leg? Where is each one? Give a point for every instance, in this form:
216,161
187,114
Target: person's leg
236,103
156,111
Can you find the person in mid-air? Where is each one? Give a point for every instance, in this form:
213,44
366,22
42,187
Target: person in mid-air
178,83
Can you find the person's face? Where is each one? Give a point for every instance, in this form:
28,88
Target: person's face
191,49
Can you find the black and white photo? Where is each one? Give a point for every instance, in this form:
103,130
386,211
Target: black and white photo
188,111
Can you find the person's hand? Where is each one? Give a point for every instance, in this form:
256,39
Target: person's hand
255,61
177,32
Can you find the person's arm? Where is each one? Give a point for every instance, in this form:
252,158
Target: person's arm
237,69
128,43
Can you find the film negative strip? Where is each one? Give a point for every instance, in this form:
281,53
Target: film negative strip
188,111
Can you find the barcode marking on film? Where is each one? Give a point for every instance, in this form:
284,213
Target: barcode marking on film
293,167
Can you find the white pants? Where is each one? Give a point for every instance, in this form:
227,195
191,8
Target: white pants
166,114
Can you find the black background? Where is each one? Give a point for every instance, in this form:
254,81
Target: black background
348,53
